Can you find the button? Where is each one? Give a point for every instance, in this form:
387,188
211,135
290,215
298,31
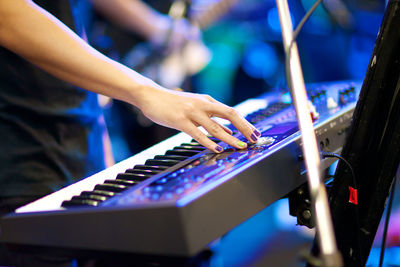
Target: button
159,188
154,196
168,195
265,140
179,190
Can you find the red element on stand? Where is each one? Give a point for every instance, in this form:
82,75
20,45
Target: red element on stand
353,196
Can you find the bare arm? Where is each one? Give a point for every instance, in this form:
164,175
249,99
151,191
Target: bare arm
138,17
134,15
36,35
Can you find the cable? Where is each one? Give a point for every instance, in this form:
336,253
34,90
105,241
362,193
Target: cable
388,212
353,176
334,155
381,257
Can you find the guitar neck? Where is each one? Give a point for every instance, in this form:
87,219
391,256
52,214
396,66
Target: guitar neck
213,12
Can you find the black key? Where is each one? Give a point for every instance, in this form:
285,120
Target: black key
91,197
148,167
174,157
80,202
146,172
111,187
183,152
194,145
121,182
99,193
136,177
212,138
216,140
189,147
162,162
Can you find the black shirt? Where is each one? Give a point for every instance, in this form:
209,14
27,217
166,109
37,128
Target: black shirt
49,130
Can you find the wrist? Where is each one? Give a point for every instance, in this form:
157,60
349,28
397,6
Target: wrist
143,93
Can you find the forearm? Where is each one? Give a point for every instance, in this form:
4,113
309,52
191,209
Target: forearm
133,15
36,35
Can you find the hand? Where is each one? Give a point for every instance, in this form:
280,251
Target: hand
186,111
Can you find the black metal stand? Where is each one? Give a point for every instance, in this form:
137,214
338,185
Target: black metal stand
372,147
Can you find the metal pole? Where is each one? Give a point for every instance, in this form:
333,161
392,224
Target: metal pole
325,234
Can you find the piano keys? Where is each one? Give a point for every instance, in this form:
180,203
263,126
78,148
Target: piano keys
54,201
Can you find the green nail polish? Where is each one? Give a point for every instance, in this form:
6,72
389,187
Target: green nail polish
241,144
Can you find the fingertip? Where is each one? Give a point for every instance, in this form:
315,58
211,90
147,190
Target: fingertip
218,149
241,145
253,138
254,135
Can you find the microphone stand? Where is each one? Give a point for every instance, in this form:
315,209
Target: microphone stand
329,254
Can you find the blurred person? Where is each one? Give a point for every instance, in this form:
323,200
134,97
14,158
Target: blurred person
51,130
145,51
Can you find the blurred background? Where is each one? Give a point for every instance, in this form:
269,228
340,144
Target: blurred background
242,54
241,57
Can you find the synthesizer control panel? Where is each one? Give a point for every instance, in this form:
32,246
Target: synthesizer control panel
276,122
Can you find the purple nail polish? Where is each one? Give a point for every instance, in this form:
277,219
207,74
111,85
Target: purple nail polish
253,137
218,148
257,133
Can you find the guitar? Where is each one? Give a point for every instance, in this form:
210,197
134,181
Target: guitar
171,68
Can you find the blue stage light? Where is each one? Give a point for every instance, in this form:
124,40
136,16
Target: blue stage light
273,19
260,60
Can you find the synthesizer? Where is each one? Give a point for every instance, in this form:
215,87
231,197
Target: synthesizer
176,197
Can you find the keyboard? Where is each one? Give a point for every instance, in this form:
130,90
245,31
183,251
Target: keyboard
176,197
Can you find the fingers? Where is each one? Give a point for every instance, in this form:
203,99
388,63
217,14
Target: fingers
200,137
248,130
220,132
226,129
209,98
194,110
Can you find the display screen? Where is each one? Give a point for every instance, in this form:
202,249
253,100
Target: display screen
282,129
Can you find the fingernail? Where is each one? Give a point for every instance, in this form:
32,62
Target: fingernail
253,137
218,148
257,133
241,144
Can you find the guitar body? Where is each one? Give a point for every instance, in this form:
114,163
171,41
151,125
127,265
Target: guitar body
169,70
172,68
